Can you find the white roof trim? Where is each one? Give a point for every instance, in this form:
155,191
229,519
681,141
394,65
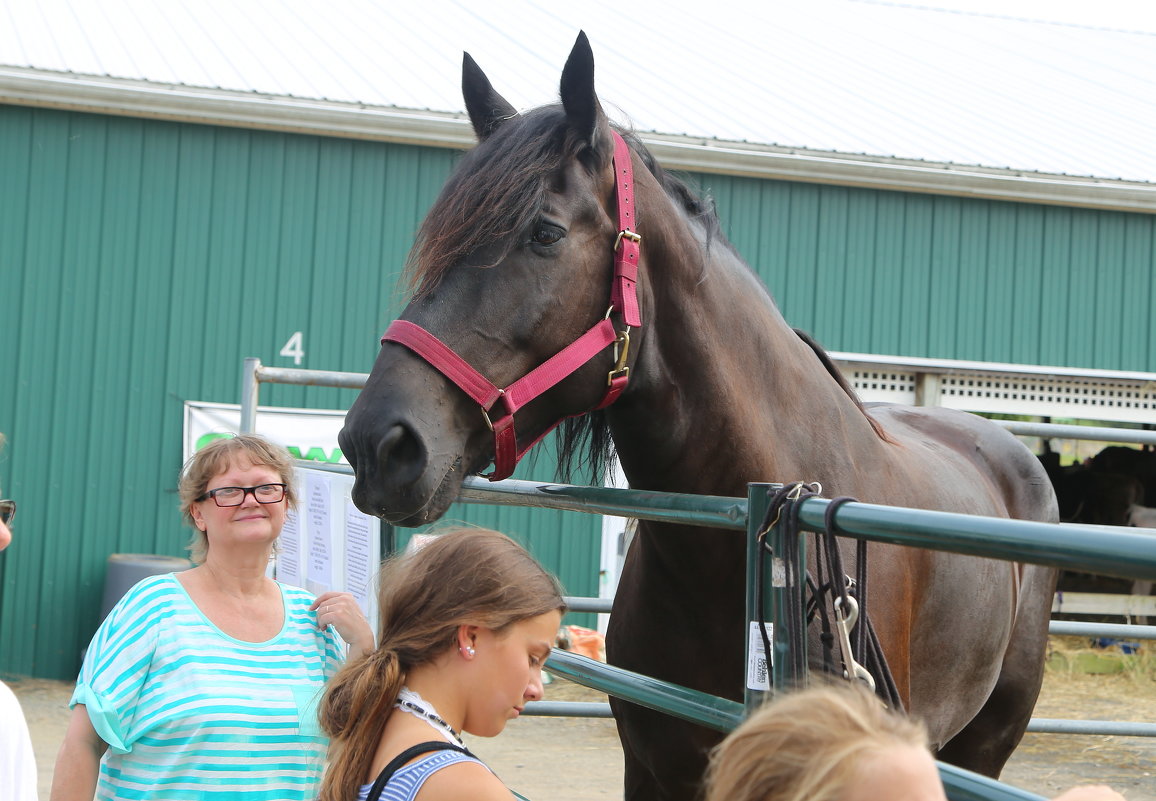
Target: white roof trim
103,95
940,366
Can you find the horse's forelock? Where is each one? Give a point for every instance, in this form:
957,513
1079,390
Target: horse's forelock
497,190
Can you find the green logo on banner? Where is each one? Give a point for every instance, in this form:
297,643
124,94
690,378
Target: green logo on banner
316,455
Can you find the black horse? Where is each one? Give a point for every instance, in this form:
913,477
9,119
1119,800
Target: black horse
705,387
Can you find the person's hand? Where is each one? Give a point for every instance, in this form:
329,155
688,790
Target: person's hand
340,610
1090,792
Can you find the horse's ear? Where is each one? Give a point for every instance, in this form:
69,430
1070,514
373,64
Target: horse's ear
487,108
583,111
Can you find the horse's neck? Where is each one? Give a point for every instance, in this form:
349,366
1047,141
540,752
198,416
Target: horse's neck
727,392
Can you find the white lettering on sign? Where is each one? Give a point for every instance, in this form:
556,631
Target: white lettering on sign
293,348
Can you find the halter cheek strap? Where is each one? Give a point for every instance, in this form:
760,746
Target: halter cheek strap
623,292
623,299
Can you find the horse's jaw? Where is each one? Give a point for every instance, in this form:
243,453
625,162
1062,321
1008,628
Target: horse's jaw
415,505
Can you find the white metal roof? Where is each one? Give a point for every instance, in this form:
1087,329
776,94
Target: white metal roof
816,81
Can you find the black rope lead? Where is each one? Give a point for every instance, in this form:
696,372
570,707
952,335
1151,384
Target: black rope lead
784,509
867,650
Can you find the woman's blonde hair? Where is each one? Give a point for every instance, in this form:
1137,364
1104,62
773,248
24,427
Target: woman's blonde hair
464,576
214,459
806,746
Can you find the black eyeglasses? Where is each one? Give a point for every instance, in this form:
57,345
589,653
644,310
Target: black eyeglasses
235,496
7,511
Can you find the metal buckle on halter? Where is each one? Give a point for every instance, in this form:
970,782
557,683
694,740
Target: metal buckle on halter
485,412
626,233
620,356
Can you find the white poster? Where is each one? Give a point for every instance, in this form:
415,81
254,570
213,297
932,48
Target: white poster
309,434
316,503
328,544
361,545
288,562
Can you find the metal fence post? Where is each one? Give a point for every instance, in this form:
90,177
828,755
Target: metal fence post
757,676
779,580
250,389
788,581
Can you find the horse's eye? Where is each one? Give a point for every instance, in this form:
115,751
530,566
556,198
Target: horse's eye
545,234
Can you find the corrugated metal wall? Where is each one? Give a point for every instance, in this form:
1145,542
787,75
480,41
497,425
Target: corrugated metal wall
140,261
943,277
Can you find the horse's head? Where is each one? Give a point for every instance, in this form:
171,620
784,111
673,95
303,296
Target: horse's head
512,266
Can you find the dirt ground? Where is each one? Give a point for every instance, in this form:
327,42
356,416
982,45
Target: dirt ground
561,759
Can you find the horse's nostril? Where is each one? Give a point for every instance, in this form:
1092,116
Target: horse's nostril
392,439
401,454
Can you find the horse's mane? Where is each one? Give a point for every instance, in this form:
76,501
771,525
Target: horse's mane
497,190
841,380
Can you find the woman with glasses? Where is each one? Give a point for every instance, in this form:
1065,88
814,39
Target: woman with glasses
206,682
17,761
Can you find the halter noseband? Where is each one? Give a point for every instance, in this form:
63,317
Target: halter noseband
623,299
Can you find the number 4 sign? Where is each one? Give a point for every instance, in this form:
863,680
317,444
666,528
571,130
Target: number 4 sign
293,350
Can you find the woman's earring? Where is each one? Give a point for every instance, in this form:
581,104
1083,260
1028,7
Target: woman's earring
469,651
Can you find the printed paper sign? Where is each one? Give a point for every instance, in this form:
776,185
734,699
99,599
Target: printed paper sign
289,551
360,555
758,666
319,553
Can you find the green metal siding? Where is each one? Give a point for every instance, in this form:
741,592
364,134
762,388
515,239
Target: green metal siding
943,277
140,262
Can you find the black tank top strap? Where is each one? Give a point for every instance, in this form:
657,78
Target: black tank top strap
404,757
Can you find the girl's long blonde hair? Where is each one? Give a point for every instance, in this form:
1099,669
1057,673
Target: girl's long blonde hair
462,576
806,746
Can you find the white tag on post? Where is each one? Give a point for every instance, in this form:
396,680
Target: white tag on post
758,665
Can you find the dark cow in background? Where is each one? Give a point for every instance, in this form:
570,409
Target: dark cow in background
1116,487
1124,461
1088,495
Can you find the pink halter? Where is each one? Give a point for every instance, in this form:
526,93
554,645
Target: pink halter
623,299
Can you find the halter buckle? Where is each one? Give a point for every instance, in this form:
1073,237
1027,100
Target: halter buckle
626,233
621,352
485,412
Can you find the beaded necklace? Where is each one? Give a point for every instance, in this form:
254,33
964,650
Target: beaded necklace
411,702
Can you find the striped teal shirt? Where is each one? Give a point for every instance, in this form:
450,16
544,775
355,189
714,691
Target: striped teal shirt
190,712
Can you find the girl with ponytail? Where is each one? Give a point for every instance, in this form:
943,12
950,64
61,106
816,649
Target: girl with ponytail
466,623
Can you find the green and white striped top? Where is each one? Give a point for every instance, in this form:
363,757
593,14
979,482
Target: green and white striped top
190,712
